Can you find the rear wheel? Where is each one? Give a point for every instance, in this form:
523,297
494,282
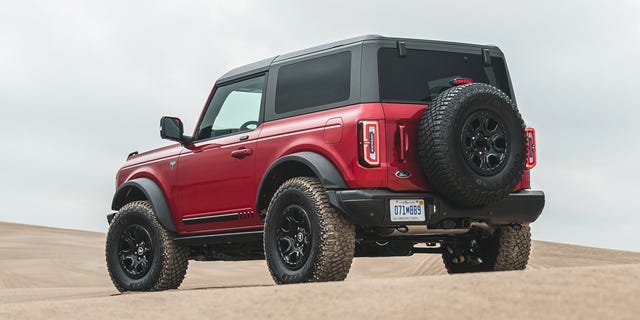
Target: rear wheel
141,255
506,249
305,239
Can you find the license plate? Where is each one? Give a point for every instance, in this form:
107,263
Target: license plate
407,210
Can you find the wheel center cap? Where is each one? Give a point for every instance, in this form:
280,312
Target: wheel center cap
299,236
140,251
481,144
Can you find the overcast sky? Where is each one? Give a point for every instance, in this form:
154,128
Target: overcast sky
83,83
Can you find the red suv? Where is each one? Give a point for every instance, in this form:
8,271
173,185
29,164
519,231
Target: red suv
371,146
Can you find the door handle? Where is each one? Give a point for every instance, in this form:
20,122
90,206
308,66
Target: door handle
241,153
404,142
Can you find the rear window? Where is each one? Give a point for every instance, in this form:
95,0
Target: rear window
423,74
313,82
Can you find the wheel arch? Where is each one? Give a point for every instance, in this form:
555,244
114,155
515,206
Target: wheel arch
145,189
304,163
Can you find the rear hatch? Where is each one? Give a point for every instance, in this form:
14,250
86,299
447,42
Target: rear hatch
410,80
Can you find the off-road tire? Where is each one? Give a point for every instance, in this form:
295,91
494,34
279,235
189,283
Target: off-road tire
441,153
169,263
332,236
507,249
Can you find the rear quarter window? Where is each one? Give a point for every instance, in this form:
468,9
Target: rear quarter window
313,82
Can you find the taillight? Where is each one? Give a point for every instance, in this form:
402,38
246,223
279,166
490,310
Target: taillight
369,141
459,81
530,133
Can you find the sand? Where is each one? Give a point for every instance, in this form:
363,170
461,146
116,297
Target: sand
57,273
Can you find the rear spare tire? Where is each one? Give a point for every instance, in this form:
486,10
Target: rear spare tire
472,145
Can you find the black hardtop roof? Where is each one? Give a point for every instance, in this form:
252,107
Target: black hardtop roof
264,64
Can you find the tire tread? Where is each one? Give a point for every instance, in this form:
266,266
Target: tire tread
510,252
337,244
434,132
175,258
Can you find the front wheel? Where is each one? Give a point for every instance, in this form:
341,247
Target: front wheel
140,253
507,248
305,239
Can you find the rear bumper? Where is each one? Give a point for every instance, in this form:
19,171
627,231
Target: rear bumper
371,208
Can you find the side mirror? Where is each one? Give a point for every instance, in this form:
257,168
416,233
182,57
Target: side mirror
171,129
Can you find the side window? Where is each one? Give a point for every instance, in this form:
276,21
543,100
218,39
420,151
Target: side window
234,107
313,82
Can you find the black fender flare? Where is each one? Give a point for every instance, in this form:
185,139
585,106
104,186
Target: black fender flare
154,195
322,167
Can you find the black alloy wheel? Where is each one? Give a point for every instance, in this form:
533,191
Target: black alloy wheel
471,145
305,238
485,142
135,250
294,237
141,254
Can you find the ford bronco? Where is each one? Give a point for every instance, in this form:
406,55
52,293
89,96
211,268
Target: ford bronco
371,146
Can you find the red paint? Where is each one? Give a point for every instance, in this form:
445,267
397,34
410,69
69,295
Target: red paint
403,140
155,165
403,117
222,175
333,130
306,133
216,176
525,183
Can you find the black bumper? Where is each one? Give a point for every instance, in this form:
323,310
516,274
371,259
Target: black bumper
371,208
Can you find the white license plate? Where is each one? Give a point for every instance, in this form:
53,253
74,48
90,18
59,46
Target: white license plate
407,210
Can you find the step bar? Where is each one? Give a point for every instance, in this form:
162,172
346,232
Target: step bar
244,236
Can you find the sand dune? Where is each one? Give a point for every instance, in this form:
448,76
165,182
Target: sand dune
46,272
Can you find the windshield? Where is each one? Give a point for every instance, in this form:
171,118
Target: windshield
423,74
